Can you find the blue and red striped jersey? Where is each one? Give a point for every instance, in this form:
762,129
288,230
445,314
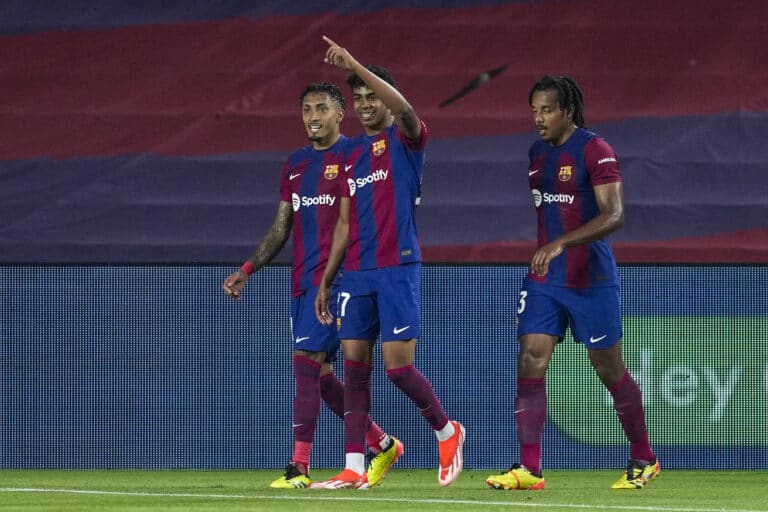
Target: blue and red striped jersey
562,181
310,182
384,186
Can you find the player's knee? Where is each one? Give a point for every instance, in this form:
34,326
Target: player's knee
609,371
531,365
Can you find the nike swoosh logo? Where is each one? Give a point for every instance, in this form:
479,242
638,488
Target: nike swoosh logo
520,410
398,331
299,340
595,340
297,425
293,176
531,173
347,168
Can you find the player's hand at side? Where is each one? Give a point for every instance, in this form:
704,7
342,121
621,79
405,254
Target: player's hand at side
337,56
545,254
322,312
235,283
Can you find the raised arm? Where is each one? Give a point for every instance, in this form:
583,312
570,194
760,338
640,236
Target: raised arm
274,240
405,116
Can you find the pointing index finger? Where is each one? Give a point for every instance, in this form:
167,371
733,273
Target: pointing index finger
330,41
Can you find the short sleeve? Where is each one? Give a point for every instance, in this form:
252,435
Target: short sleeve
601,162
414,144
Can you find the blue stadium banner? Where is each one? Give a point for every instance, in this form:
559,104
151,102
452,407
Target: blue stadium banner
152,366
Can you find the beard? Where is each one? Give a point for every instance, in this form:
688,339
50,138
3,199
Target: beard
316,136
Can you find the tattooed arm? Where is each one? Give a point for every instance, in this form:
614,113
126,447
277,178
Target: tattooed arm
267,249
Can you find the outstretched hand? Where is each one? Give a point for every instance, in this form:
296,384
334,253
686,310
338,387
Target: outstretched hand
337,56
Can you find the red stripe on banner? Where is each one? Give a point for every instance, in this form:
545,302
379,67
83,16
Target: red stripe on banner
232,86
748,246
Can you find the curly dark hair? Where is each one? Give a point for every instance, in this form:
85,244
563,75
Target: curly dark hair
332,90
354,81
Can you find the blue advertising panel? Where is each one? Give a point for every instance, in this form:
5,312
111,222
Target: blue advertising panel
154,367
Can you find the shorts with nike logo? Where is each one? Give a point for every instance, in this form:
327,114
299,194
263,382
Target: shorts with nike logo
593,314
383,300
306,330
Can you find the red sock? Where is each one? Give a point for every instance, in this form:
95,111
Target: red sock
332,393
306,401
374,436
306,407
357,404
301,454
416,387
628,402
530,414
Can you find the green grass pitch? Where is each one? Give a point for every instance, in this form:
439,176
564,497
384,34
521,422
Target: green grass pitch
402,490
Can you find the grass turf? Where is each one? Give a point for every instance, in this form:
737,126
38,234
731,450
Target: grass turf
402,490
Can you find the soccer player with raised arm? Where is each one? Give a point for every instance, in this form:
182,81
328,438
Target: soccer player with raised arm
573,280
381,287
309,205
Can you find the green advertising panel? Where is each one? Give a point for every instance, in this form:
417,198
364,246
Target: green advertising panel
704,382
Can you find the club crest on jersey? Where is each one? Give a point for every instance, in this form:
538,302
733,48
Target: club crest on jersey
331,171
565,173
379,147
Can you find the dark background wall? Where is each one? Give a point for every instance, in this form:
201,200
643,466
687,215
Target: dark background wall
155,133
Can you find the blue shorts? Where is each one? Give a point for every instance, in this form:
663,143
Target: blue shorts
307,332
385,300
594,314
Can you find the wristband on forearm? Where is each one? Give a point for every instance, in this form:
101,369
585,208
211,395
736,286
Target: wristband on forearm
247,267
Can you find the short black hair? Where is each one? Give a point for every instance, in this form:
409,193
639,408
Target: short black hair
354,81
570,97
331,89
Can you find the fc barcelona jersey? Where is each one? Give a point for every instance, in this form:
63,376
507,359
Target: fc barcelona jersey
384,187
310,182
562,181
